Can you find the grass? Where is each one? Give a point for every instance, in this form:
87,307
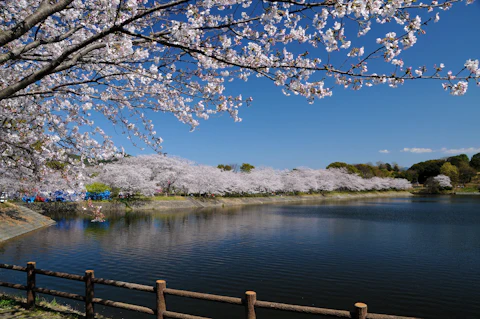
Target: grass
335,193
468,189
163,198
141,198
6,206
44,309
7,303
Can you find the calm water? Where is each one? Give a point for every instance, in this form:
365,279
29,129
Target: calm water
404,256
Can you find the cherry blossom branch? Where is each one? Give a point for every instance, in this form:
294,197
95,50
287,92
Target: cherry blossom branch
43,12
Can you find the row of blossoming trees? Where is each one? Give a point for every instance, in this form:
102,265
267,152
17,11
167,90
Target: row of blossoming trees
151,174
66,63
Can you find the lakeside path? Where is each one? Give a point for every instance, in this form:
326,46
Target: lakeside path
16,220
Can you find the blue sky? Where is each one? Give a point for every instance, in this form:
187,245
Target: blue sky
350,126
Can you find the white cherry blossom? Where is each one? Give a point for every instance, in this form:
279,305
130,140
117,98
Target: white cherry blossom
64,63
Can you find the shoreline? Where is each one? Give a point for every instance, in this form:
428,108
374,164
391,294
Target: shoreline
466,194
19,219
189,202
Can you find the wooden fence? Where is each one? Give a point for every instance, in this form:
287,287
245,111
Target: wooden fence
249,302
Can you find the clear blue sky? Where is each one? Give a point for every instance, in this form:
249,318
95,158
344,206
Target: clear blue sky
351,126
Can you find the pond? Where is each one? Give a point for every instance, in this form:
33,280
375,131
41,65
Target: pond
416,256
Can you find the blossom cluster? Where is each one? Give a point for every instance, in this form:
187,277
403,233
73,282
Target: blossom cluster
64,64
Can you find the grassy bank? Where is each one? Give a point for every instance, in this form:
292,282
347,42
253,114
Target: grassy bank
260,195
13,307
468,189
464,190
5,209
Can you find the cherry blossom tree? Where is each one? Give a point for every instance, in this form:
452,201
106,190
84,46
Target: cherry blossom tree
443,181
55,181
129,178
145,174
262,180
64,63
299,180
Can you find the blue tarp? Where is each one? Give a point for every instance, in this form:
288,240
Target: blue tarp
57,196
98,196
29,199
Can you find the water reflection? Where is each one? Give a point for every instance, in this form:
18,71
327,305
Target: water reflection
415,256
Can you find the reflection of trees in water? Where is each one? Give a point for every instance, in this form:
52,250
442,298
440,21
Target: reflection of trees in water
157,232
130,238
186,226
162,230
132,218
96,228
62,215
181,229
66,223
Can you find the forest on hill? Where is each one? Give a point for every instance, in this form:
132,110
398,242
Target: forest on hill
459,168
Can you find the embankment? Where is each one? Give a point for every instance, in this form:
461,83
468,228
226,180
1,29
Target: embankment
16,220
195,202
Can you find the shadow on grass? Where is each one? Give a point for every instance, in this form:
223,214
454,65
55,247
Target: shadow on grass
12,214
11,306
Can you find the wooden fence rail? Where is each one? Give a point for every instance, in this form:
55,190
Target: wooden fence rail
249,302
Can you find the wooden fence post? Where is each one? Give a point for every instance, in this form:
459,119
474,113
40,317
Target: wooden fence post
31,285
160,286
360,311
89,295
250,299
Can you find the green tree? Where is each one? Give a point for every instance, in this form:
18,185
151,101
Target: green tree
451,171
396,167
225,167
475,161
369,170
381,172
366,171
384,166
97,187
458,159
246,168
466,172
432,186
411,175
56,165
350,168
427,169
